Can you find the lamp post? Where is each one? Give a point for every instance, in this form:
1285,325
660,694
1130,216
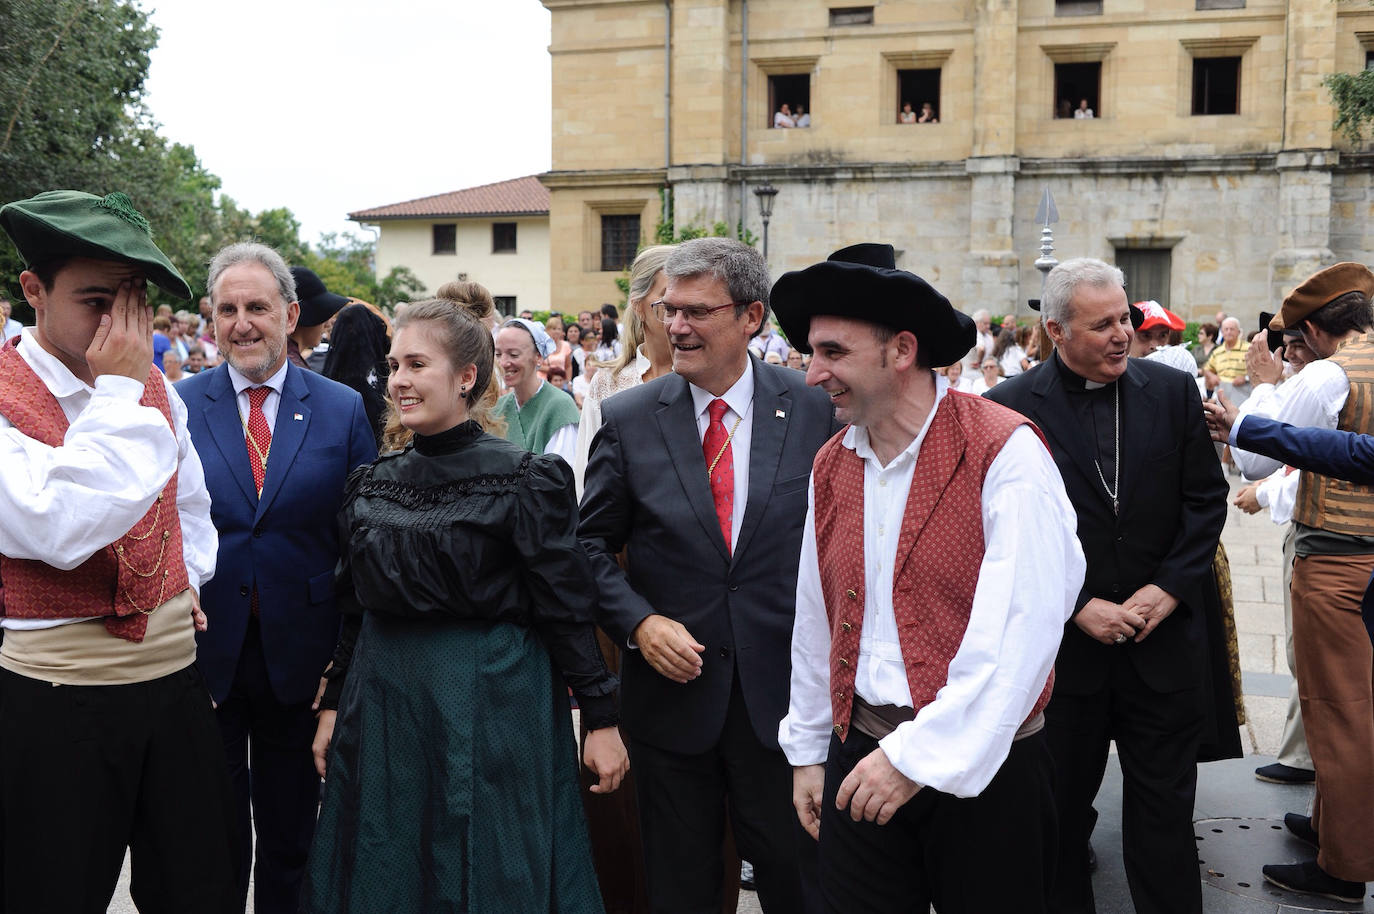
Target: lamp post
1045,216
765,193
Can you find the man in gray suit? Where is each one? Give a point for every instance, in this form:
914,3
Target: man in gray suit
701,476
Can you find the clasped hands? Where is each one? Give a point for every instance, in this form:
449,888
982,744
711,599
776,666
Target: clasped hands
1114,623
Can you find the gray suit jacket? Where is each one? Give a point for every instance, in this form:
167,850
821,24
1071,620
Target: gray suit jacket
647,493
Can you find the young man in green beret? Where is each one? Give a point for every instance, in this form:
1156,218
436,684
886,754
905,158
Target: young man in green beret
109,738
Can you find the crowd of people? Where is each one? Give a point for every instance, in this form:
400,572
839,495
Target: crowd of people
824,601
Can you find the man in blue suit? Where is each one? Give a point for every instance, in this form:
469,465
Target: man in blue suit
277,444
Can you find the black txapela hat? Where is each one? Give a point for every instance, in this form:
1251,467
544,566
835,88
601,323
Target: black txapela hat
318,304
862,282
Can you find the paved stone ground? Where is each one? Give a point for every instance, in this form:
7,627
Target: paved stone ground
1225,789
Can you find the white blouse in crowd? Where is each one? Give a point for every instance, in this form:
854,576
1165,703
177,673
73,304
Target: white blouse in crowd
602,386
1279,493
1313,397
61,505
1011,361
1030,576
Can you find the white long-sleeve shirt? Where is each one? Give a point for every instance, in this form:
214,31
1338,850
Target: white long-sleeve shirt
1030,576
1313,398
61,505
1279,493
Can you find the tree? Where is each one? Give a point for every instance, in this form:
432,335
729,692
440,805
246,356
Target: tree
1353,96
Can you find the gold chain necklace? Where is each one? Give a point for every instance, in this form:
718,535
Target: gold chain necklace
253,442
721,453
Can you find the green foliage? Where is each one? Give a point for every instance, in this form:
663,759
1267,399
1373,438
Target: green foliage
1353,96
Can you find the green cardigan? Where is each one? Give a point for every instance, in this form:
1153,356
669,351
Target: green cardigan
532,425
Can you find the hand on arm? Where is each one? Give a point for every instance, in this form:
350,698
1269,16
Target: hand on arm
1154,605
1105,621
808,786
1221,414
605,756
874,790
669,648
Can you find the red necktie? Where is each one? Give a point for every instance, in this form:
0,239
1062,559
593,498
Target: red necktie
259,437
715,447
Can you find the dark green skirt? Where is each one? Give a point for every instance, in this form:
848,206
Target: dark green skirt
452,782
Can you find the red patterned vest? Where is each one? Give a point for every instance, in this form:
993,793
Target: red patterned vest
939,551
127,579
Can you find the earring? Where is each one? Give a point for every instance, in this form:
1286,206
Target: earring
462,393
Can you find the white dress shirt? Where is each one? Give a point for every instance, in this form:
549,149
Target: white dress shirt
1279,493
11,328
1031,573
61,505
1313,398
269,406
740,417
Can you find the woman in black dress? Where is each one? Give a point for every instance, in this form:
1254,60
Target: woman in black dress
451,775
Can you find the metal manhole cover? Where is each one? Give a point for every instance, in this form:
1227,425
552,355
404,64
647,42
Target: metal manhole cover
1231,851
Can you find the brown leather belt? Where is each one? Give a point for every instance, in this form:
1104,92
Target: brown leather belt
877,721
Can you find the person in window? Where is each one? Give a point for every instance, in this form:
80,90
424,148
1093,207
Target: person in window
783,117
1065,109
803,119
906,115
927,114
469,605
1083,112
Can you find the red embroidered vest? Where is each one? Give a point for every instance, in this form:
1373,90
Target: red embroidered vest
127,579
939,551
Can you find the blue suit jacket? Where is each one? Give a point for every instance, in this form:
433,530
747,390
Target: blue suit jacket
285,543
1328,451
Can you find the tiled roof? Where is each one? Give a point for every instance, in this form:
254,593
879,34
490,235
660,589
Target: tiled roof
518,196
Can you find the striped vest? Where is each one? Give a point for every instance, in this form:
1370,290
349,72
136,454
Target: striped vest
939,550
1334,504
127,579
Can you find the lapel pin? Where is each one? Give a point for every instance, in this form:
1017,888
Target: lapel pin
779,414
297,416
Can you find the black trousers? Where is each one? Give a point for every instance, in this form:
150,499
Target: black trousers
1157,736
974,855
682,805
276,792
88,771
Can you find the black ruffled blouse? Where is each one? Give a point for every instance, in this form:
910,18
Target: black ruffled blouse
467,525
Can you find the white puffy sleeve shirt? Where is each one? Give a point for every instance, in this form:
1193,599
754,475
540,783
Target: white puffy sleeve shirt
1030,576
1313,398
61,505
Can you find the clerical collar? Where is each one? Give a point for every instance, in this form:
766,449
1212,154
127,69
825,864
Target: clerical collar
447,442
1072,379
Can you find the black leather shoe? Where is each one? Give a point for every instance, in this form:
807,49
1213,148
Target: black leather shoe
1310,879
1279,773
1300,827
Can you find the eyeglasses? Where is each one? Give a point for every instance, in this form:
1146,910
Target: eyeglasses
694,314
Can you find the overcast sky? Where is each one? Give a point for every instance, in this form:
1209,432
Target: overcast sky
330,107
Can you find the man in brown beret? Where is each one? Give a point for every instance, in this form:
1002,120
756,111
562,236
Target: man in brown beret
1334,555
105,540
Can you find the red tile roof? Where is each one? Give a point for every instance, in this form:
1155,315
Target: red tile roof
516,197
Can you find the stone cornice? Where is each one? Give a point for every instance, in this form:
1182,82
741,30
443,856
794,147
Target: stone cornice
609,177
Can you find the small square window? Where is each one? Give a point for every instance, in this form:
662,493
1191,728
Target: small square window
1147,273
505,304
1078,7
619,241
1077,89
445,239
918,96
851,15
503,237
1216,85
789,100
1369,60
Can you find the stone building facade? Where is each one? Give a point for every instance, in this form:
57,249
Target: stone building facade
1209,171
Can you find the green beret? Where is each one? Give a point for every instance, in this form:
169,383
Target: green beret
69,223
